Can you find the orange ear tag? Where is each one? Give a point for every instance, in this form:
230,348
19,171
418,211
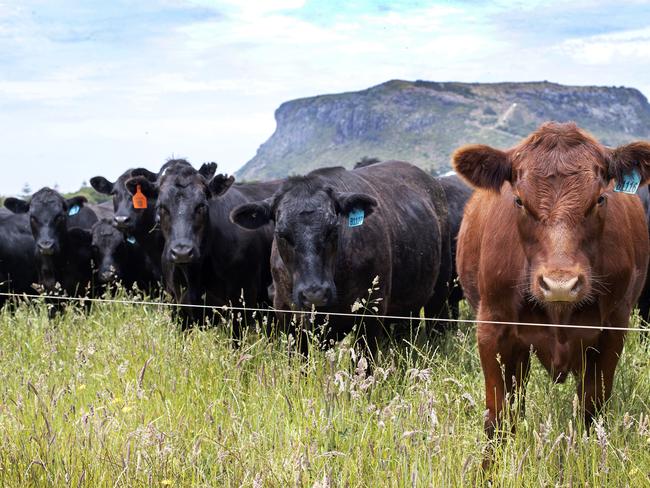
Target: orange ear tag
139,200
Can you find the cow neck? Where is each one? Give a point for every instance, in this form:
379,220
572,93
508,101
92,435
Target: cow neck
221,240
152,243
144,232
186,279
52,266
47,271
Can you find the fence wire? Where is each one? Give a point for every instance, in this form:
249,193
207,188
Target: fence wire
313,313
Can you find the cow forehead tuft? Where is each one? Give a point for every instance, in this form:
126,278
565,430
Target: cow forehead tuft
47,196
302,188
562,150
182,176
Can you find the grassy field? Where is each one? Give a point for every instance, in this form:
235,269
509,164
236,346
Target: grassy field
118,397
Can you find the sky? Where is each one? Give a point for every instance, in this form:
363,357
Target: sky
96,87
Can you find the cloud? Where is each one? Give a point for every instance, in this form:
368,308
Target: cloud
606,48
94,86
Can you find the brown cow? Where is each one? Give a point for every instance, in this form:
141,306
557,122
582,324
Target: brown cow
547,240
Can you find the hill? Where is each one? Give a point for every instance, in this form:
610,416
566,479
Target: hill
423,122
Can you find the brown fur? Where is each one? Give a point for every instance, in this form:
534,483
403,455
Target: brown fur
635,154
549,220
472,162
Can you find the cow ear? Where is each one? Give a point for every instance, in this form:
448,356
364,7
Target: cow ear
149,175
347,202
149,188
220,184
483,166
77,201
80,238
102,185
207,170
16,205
252,215
624,159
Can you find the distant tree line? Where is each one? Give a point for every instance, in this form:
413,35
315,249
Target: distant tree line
87,191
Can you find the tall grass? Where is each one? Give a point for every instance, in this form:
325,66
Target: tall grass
119,397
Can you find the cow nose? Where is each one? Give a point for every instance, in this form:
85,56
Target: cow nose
121,220
317,296
182,253
560,289
46,246
107,275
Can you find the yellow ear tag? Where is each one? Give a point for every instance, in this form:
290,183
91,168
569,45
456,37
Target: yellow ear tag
139,200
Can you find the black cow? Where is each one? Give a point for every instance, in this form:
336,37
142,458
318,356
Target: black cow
206,258
644,299
117,258
17,264
336,230
135,224
457,193
63,254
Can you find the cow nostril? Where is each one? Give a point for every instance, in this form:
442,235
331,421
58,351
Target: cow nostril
577,286
329,295
543,284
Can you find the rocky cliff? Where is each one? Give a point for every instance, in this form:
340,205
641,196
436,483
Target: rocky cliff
423,122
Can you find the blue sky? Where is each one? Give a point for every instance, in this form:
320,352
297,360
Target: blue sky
95,87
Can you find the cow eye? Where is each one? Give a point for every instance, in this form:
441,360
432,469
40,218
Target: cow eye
518,202
601,200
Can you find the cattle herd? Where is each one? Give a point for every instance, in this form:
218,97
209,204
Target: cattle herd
551,231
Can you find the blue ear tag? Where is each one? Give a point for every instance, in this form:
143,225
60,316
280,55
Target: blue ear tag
355,217
130,240
630,183
74,210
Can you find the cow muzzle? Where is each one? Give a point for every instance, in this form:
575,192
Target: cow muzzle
108,275
122,222
46,247
183,254
564,288
314,296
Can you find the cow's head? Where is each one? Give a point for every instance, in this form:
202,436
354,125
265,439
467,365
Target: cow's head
559,180
48,216
127,218
110,251
182,210
307,215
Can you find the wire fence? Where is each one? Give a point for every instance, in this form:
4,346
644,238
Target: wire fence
365,315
